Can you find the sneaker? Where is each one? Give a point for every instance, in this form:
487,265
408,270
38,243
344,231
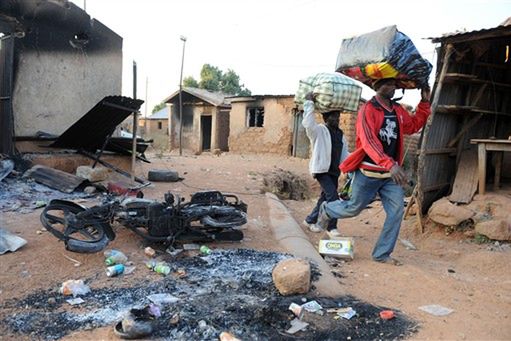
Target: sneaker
333,234
315,228
323,218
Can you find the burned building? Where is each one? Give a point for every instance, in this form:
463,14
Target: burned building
56,63
205,120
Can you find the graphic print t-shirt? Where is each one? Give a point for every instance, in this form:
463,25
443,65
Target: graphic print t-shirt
388,135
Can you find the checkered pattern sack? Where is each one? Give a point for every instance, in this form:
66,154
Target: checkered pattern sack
334,92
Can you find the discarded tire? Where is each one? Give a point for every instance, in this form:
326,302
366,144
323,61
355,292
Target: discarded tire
163,175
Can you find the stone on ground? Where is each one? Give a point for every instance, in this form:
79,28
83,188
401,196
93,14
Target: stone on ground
292,276
446,213
498,229
92,174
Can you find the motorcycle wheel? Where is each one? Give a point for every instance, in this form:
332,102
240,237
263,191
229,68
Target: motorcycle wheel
60,219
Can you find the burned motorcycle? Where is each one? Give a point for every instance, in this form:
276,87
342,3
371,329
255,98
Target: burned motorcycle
208,216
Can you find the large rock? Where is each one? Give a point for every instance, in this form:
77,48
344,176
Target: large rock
498,229
292,276
92,174
445,213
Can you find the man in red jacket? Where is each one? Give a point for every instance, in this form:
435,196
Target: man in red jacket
376,163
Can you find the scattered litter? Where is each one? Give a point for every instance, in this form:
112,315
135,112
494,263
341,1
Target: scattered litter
75,301
226,336
296,309
452,271
129,269
296,326
149,252
174,319
173,252
436,310
40,203
339,248
6,167
312,306
74,287
114,257
204,250
408,244
346,313
76,263
188,247
158,267
387,314
162,299
39,232
114,270
9,241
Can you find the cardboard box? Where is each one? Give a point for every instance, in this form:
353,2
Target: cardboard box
338,248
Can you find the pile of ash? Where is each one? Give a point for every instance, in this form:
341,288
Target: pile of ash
229,290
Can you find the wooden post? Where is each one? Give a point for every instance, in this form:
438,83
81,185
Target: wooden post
481,147
498,168
436,96
135,123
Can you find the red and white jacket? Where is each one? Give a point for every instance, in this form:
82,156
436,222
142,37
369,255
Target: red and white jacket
369,122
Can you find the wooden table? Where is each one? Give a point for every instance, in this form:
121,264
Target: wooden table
498,146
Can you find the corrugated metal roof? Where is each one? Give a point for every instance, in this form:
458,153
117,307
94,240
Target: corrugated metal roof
478,34
162,114
90,131
217,99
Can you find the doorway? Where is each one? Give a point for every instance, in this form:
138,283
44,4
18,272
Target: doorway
205,123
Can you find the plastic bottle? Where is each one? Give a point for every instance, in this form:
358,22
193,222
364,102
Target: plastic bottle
115,257
162,268
114,270
151,264
205,250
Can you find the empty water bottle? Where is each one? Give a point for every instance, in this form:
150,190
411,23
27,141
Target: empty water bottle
115,257
162,268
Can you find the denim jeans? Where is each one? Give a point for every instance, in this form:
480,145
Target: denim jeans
329,184
364,190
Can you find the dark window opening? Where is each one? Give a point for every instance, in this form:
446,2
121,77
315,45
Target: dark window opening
160,125
255,117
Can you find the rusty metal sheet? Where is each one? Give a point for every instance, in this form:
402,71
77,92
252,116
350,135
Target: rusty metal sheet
55,178
90,131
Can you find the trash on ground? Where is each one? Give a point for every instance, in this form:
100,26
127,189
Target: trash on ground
6,167
162,299
387,314
346,313
139,323
226,336
408,244
296,326
173,251
312,306
158,267
75,262
115,270
129,269
149,252
436,310
10,241
204,250
114,257
296,309
189,247
75,287
339,248
75,301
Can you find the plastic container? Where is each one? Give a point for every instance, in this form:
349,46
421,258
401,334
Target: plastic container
162,268
114,270
115,257
205,250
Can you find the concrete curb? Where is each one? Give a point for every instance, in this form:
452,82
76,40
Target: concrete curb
290,235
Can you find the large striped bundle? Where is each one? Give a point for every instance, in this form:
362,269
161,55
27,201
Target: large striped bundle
334,92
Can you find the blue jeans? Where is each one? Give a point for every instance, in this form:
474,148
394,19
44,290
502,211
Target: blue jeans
364,190
329,184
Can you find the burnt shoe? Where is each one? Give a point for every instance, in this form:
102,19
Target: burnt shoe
323,218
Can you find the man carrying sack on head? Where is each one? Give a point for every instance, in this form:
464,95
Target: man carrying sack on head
329,149
376,163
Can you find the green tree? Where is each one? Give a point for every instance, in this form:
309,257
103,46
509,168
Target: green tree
214,79
210,78
158,107
190,82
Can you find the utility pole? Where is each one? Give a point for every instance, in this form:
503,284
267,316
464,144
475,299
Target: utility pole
183,38
145,110
135,123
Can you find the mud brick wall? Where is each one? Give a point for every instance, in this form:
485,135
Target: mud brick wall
274,137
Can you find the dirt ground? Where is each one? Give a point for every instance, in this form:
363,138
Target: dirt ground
472,279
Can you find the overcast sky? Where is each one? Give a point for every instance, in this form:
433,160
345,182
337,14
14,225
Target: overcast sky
271,44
